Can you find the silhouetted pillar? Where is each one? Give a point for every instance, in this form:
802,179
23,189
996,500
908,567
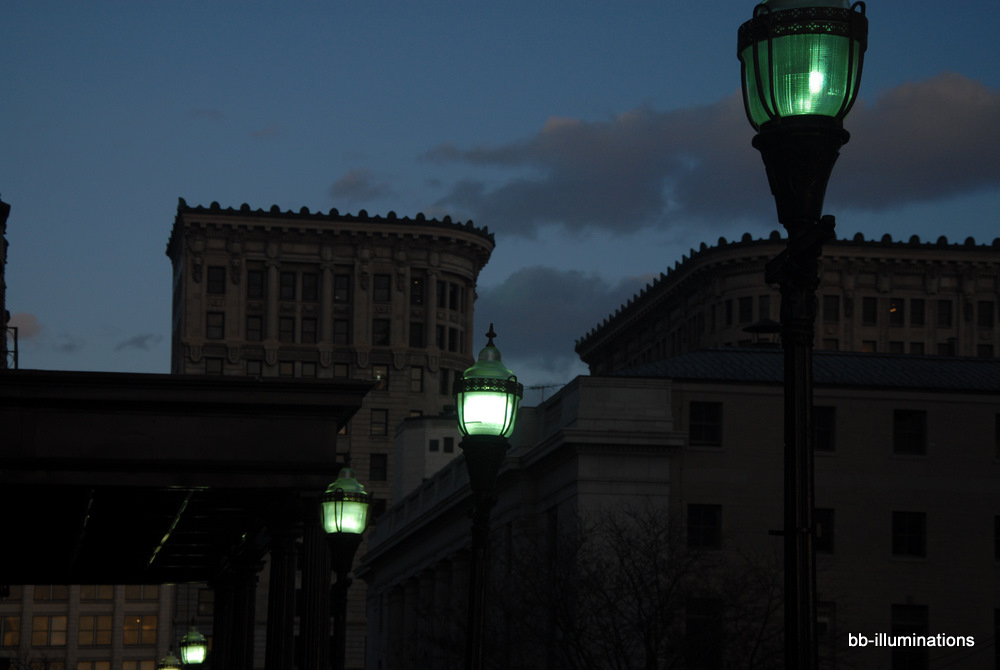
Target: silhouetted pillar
272,300
244,611
315,616
280,644
222,623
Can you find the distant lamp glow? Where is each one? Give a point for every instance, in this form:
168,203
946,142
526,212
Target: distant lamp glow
194,646
487,395
802,57
345,505
169,662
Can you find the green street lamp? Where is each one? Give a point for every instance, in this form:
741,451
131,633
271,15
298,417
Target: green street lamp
801,65
169,662
486,400
344,513
193,646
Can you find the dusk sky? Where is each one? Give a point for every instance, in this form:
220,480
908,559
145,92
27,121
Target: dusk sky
598,141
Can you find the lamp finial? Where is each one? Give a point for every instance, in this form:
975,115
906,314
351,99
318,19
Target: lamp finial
490,335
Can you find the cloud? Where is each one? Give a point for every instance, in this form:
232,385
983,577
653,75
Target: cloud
28,326
68,344
538,343
142,342
920,141
267,131
358,185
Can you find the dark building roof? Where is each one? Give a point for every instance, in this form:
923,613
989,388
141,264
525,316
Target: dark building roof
830,368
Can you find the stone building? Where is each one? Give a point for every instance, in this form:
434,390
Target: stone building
907,507
874,296
328,295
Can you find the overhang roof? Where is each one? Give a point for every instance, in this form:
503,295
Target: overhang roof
133,478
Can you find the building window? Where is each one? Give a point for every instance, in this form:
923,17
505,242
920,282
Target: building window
142,592
255,329
705,425
823,522
763,307
216,280
984,313
378,467
341,331
917,348
255,284
416,290
138,665
869,346
90,592
449,445
444,388
95,630
341,288
909,534
909,620
381,332
909,432
946,348
51,592
286,286
704,526
455,295
917,312
308,369
897,312
139,629
896,347
416,334
286,368
452,339
380,373
869,311
944,313
255,368
703,633
206,602
434,445
746,309
310,286
215,326
831,344
984,350
213,365
10,631
380,422
286,329
824,428
441,337
416,379
309,331
93,665
831,309
48,631
382,288
729,312
341,370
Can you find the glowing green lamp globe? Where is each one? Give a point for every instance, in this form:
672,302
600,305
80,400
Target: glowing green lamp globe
169,662
802,57
487,395
345,505
194,647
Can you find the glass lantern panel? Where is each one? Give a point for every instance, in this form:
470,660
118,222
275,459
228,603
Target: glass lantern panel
353,516
810,76
193,653
485,413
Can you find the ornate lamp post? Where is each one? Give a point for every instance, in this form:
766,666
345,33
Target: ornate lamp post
801,68
345,517
193,646
486,399
169,662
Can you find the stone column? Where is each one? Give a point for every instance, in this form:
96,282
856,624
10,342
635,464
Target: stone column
280,645
314,622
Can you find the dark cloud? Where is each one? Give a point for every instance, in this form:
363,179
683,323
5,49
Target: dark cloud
920,141
540,312
28,326
142,342
358,185
68,344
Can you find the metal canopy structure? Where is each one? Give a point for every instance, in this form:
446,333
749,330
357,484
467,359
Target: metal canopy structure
126,478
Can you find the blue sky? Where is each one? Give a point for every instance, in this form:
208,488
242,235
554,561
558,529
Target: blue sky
598,141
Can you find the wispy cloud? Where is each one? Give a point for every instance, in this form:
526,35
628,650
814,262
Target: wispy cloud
28,326
265,132
142,342
920,141
358,185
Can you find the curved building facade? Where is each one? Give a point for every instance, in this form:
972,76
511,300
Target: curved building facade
874,296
